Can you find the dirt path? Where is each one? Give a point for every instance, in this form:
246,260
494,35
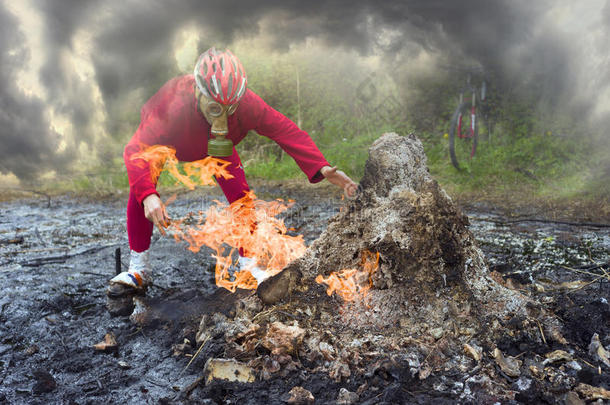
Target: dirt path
55,262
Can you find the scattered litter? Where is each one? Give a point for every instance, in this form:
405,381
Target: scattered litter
346,397
568,285
572,398
109,343
509,365
283,339
574,365
557,336
536,371
141,312
475,353
597,349
437,333
523,384
300,396
181,348
592,393
228,369
557,356
33,349
339,370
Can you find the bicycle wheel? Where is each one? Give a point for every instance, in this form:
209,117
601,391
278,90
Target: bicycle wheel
463,136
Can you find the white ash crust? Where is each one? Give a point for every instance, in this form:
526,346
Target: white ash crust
427,252
432,295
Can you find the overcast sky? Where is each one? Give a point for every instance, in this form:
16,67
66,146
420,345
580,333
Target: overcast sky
64,61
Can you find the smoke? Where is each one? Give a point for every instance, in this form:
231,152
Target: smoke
69,95
95,52
28,143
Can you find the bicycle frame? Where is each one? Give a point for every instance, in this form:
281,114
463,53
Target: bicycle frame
473,116
465,127
470,131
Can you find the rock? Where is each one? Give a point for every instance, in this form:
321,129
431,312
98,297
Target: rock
33,349
121,306
339,370
574,365
210,326
271,366
141,314
592,393
44,382
228,369
346,397
279,286
556,356
109,344
596,349
425,371
556,335
327,350
248,307
283,339
572,398
523,384
437,333
180,349
509,365
124,365
475,353
300,396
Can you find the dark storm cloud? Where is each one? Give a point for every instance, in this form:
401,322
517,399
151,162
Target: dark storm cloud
134,48
499,35
68,95
134,44
133,41
28,143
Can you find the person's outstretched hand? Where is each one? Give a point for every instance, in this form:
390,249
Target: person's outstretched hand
340,179
154,210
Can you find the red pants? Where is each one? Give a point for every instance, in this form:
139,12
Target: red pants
139,229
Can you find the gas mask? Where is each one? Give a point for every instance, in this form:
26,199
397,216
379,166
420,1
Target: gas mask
216,115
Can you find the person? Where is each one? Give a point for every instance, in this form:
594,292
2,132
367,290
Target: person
213,102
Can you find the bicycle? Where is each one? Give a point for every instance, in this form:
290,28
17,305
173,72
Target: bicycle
465,126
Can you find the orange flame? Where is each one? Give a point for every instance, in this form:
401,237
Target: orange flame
199,172
251,226
248,225
351,284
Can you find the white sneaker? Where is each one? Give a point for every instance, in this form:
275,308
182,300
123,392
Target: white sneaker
137,278
249,263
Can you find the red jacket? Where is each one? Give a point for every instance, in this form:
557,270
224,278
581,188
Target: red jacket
171,118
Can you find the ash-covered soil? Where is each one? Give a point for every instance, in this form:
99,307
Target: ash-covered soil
55,263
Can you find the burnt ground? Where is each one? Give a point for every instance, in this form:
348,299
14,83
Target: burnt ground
55,262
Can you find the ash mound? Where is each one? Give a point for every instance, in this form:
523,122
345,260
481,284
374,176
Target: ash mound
431,276
430,303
